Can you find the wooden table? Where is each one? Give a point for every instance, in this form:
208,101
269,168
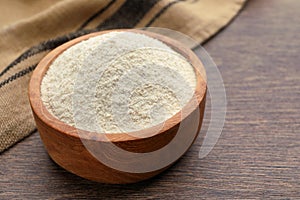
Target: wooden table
257,155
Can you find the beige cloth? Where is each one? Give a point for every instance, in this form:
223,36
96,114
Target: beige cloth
29,29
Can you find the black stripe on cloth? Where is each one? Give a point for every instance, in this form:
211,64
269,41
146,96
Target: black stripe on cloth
162,11
96,14
130,13
18,75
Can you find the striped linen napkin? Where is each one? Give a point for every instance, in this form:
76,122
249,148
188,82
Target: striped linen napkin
30,29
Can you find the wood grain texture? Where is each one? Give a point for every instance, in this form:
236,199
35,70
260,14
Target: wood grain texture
71,148
257,155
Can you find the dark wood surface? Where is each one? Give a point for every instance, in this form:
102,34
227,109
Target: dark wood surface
257,155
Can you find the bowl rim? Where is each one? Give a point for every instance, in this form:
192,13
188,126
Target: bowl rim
41,112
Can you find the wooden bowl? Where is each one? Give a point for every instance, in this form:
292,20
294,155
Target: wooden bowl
68,150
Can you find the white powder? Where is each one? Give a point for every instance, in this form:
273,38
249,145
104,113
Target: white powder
117,82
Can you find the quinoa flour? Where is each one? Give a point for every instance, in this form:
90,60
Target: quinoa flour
117,82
